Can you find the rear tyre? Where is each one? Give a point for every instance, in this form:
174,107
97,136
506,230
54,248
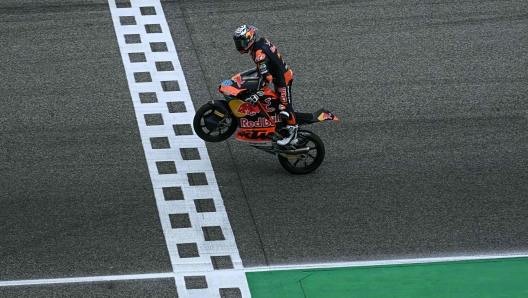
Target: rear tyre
305,163
212,127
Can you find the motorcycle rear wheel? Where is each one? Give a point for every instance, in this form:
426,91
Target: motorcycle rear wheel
225,127
305,163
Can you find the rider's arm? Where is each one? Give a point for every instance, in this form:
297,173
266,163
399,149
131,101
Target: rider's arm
262,65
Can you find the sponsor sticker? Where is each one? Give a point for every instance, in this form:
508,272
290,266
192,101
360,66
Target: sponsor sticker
260,57
227,83
248,109
238,79
261,122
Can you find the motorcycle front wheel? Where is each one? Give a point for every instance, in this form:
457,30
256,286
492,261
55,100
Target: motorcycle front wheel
213,126
307,162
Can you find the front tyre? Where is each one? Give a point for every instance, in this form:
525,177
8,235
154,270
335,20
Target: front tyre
212,125
307,162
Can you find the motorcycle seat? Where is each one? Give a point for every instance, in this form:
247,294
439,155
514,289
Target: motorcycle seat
303,118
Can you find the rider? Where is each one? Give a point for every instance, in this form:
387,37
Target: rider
271,66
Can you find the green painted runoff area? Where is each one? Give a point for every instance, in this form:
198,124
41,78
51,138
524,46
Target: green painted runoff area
479,278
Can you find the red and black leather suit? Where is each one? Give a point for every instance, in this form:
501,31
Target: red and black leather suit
272,67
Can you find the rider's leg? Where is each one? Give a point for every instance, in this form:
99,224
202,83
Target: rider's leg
287,113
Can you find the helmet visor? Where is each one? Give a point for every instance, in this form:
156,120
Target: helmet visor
240,44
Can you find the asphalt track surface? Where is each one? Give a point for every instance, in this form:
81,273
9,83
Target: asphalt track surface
428,159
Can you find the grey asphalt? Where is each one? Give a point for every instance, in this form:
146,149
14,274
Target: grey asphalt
75,194
428,159
429,156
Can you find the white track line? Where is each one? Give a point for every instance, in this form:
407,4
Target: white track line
264,269
386,262
86,279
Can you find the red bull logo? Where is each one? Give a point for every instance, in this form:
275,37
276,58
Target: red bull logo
261,122
326,116
238,79
267,104
248,109
251,33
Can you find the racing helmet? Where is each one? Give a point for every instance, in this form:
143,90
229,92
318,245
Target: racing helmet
244,37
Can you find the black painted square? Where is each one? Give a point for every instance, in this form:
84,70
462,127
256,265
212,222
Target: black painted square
166,167
222,262
173,193
142,77
158,47
180,221
182,129
164,66
195,282
190,153
160,143
170,86
148,10
127,20
176,107
132,38
153,28
137,57
204,205
213,233
188,250
230,293
123,3
148,97
196,179
153,119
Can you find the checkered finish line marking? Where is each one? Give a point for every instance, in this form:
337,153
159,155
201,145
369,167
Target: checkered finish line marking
201,244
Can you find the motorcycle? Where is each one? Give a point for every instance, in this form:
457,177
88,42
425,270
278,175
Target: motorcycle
260,124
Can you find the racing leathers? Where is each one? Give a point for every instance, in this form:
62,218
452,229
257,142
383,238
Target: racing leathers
271,67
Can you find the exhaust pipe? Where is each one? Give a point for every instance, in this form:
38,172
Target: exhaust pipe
293,151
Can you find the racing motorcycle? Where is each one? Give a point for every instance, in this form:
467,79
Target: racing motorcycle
260,124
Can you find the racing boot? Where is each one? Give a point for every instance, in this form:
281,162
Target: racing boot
292,135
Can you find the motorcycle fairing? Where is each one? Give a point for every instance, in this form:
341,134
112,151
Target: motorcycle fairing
237,84
256,123
259,125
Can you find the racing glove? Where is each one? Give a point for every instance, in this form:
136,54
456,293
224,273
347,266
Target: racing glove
252,99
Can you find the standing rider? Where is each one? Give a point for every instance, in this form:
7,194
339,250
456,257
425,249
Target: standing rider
271,67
